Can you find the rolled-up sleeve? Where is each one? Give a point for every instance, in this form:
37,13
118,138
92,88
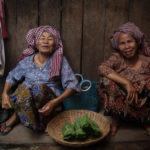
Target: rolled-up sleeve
68,78
16,74
109,65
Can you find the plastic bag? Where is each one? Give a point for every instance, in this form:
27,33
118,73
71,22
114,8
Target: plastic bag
88,98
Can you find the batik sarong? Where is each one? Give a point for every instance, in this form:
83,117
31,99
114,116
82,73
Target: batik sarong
28,101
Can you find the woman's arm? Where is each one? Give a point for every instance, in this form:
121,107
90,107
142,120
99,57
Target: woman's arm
107,69
68,79
5,96
117,78
69,83
14,75
131,91
46,109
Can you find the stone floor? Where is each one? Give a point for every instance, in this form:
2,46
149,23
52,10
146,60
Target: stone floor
129,137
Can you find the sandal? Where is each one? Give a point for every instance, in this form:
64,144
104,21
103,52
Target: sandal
5,127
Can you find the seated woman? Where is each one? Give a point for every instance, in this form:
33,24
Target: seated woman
125,82
45,70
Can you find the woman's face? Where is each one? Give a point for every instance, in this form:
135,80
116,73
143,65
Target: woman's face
45,43
127,45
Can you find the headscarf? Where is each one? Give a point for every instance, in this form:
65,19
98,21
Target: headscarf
32,39
131,29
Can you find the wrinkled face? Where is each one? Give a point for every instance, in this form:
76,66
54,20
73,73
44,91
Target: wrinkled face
45,43
127,45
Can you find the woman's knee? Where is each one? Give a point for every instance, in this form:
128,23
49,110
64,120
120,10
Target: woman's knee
42,91
106,83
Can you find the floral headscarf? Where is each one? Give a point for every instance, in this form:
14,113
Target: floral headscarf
131,29
32,39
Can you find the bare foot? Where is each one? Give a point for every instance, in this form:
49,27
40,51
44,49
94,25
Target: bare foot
114,126
147,128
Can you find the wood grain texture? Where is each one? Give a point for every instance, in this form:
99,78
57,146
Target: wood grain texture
85,27
50,13
72,31
140,15
27,18
117,12
10,42
93,37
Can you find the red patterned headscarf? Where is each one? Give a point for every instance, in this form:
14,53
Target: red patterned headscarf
131,29
32,39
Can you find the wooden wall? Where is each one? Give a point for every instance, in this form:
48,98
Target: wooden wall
85,27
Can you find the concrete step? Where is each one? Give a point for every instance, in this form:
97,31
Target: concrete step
22,135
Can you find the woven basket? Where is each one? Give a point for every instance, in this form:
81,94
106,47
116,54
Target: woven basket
56,124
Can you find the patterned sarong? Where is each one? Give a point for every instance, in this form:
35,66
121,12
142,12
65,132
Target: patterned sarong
28,101
114,95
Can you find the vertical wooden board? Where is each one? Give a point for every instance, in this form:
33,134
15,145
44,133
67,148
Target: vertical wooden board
93,37
140,15
10,42
27,18
72,31
50,13
117,12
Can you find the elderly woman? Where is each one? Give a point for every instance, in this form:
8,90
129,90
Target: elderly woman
125,82
44,70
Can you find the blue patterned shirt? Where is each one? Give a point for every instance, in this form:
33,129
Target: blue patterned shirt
40,75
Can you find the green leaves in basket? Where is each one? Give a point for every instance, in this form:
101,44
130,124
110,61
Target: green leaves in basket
84,122
83,128
68,131
95,130
90,127
80,133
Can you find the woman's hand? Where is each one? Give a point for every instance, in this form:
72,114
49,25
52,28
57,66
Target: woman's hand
6,101
131,93
47,108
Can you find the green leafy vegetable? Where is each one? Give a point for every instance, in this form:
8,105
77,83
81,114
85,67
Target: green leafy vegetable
83,128
90,127
80,133
68,131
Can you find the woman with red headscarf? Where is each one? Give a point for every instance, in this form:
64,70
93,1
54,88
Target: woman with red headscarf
44,70
125,82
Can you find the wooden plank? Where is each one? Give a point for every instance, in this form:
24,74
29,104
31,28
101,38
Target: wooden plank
50,13
117,12
10,43
27,18
72,31
93,37
140,15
